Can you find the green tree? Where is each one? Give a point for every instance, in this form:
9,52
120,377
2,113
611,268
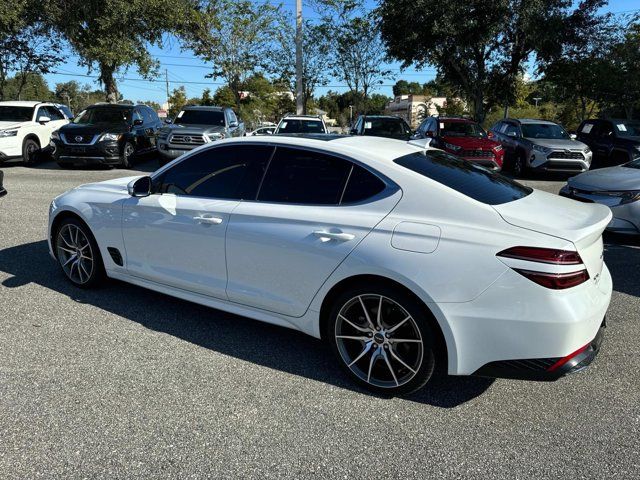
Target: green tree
234,36
177,100
402,87
479,49
28,86
112,36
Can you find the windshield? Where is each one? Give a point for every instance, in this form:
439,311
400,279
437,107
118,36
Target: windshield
633,164
386,127
300,126
200,117
471,180
15,114
627,128
462,129
544,130
112,116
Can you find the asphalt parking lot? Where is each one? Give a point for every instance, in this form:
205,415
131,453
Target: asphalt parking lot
125,383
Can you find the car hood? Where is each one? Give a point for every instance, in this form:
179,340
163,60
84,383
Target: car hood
193,129
471,143
117,185
612,178
11,124
559,143
75,129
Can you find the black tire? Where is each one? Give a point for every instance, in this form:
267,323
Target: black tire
30,151
63,245
519,165
128,151
400,378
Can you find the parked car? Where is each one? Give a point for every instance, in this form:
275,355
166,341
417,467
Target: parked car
613,142
464,138
540,145
3,191
616,187
195,126
268,130
26,128
301,124
107,134
400,257
382,126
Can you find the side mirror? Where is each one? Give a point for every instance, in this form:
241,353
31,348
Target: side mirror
573,136
512,134
137,122
140,187
490,134
44,120
167,120
233,124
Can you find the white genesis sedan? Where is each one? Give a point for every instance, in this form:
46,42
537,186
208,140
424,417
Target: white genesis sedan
401,257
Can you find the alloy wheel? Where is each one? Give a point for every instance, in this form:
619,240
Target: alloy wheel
379,341
75,253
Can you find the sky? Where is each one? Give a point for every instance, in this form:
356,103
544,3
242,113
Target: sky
184,69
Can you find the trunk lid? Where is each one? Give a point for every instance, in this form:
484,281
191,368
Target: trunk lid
577,222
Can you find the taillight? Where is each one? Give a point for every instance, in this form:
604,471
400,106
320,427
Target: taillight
543,255
552,280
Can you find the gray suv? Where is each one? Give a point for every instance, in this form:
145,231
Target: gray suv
195,126
540,145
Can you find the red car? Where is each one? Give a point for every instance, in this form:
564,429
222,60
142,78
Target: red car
464,138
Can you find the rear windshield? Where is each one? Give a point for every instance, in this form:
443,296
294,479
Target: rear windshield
465,177
300,126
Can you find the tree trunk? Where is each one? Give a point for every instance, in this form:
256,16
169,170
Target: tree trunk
478,107
109,83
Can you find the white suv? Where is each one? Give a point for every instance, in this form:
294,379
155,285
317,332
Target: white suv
26,127
292,124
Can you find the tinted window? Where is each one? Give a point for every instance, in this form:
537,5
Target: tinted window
232,172
471,180
54,113
301,176
627,128
200,117
362,184
511,130
300,126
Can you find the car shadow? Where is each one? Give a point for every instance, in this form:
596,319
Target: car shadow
260,343
147,164
622,255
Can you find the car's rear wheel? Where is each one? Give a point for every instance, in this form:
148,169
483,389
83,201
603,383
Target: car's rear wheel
128,151
382,338
30,150
78,254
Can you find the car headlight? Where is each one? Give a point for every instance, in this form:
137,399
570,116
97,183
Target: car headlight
626,196
215,136
453,147
110,137
541,149
8,133
586,150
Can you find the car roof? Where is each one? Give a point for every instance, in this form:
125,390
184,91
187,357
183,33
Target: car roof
22,103
113,105
302,117
393,117
455,119
209,108
532,120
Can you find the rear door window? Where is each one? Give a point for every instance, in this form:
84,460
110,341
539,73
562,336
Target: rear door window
361,186
464,177
304,177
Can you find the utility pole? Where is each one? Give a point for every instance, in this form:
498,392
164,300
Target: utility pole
537,99
166,80
299,95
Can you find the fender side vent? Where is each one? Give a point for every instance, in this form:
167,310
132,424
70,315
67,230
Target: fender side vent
116,256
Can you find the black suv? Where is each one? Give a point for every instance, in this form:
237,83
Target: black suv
382,126
107,134
612,141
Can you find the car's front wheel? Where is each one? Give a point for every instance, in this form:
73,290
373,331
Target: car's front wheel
30,150
78,254
383,339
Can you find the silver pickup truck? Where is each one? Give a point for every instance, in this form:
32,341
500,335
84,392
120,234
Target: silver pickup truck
195,126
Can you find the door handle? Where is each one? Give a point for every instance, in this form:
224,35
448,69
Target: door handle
343,237
208,220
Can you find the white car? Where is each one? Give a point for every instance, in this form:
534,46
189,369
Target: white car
400,256
301,124
26,127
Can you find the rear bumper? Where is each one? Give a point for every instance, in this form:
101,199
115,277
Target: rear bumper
545,369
